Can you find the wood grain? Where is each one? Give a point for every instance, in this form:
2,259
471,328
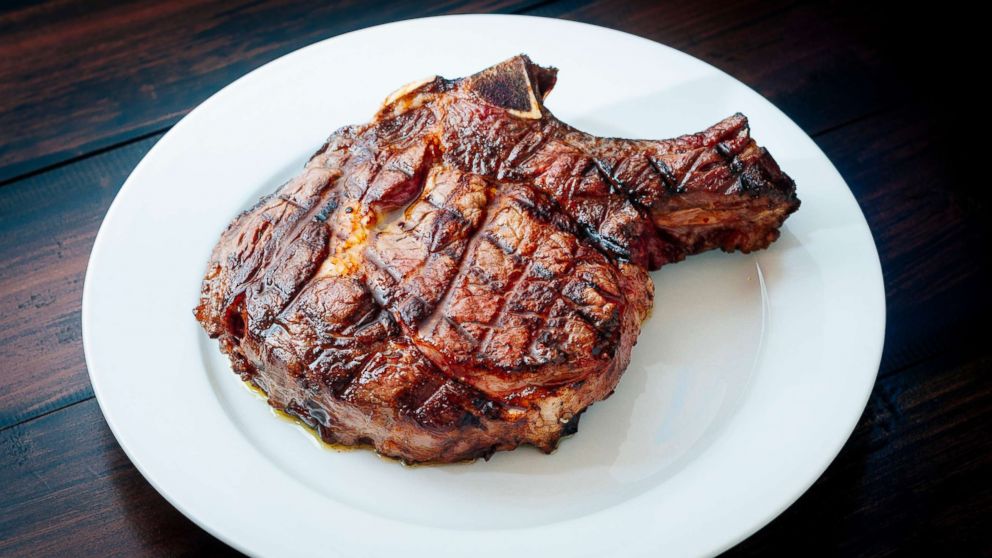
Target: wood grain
69,490
47,227
931,242
80,76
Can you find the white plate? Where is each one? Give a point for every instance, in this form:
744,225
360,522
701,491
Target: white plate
744,385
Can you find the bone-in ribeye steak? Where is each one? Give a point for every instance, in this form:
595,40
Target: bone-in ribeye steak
466,273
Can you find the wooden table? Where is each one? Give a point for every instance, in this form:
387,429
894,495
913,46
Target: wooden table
86,88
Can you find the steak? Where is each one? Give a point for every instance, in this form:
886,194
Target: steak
466,273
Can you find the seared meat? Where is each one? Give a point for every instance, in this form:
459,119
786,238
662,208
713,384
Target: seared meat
466,273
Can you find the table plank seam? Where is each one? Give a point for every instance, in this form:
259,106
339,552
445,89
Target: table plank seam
48,412
83,156
861,118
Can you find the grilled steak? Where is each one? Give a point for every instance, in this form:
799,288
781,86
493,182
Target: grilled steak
466,273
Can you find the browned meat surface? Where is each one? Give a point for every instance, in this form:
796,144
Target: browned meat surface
466,273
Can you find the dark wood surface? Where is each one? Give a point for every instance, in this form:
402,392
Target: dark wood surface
86,88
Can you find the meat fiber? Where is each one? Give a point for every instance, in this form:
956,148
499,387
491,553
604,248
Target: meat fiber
465,273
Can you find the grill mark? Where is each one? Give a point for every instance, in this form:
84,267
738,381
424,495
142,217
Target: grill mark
573,185
729,155
258,246
433,248
342,392
607,172
543,317
294,296
724,150
326,210
372,257
599,241
434,394
665,172
417,412
584,317
527,146
349,379
274,235
290,201
584,233
405,226
491,238
371,318
342,383
504,307
599,290
616,185
692,167
296,231
488,403
429,324
461,331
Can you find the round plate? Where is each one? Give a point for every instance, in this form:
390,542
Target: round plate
745,383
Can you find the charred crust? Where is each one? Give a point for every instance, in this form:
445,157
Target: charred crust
616,249
469,420
572,426
413,310
736,166
667,177
326,210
